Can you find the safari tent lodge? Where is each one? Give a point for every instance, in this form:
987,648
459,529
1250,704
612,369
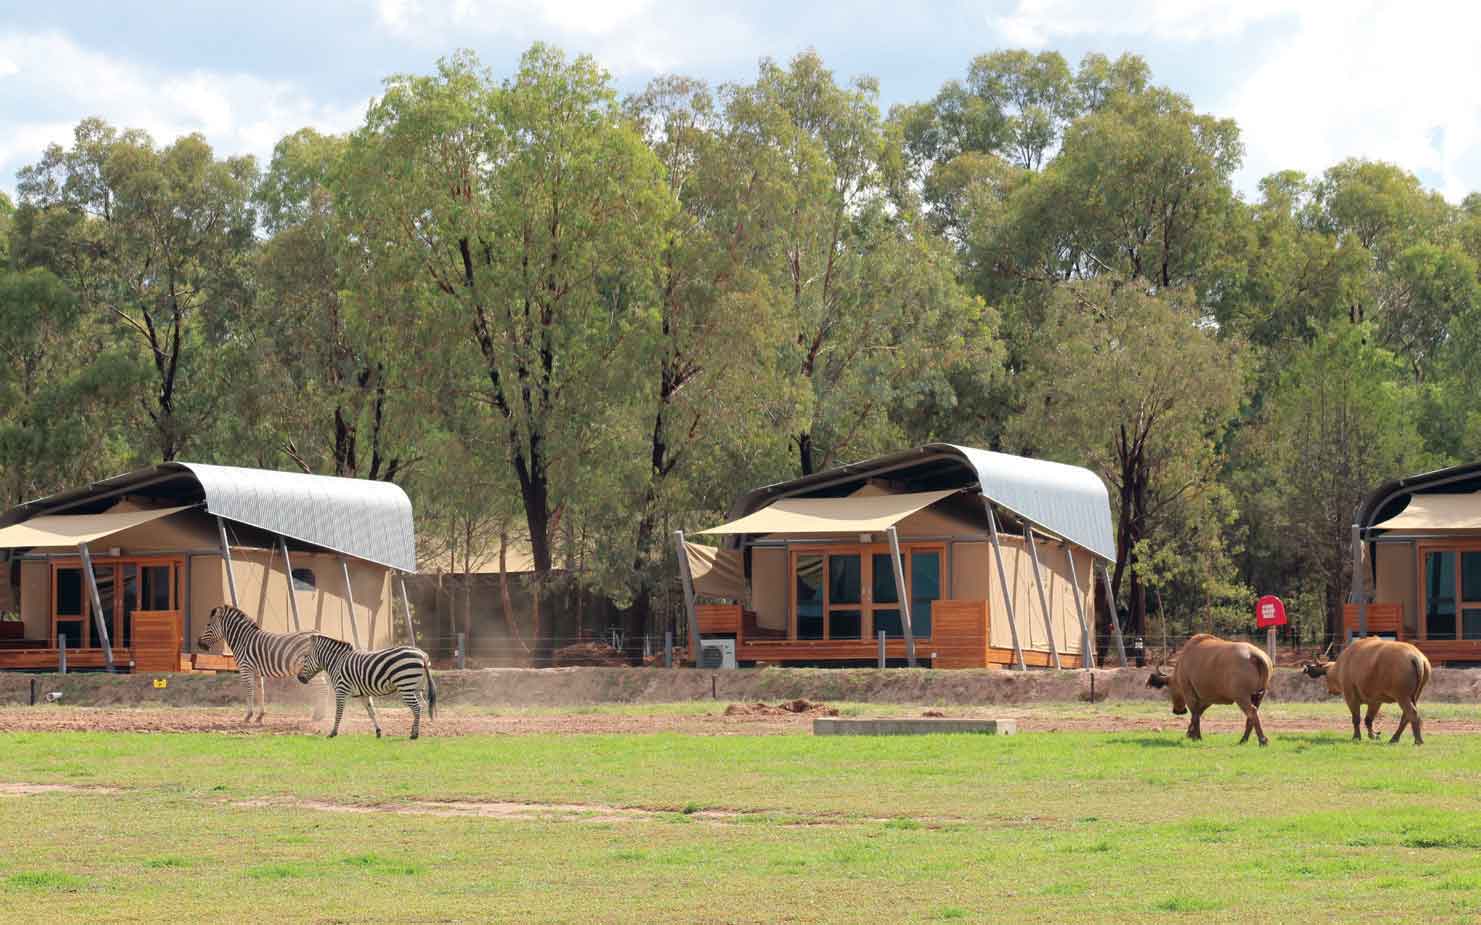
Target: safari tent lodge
124,572
1000,555
1417,564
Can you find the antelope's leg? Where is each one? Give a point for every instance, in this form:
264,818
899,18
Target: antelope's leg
1373,709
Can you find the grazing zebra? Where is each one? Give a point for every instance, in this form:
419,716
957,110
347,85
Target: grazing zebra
359,673
259,654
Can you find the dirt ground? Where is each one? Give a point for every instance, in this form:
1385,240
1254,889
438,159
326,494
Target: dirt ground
570,687
724,719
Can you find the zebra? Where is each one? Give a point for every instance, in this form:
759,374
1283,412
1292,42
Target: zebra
259,654
361,673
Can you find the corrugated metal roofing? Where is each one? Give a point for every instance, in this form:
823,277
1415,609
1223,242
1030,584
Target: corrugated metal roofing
366,519
358,517
1066,501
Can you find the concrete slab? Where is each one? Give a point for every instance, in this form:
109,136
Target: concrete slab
925,725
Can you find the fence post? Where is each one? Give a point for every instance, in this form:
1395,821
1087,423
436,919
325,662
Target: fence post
62,653
668,648
881,648
462,654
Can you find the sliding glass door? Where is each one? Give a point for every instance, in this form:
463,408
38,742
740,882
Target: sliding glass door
849,592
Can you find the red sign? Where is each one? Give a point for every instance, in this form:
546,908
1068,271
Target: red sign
1269,611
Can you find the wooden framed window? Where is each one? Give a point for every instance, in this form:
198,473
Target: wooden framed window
847,592
125,586
1450,591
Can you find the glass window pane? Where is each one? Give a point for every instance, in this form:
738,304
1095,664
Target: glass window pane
156,588
1471,623
125,633
69,592
884,579
809,597
845,579
1470,576
1439,582
889,621
844,624
106,589
925,590
303,579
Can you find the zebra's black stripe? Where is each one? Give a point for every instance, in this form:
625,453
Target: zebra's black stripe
358,673
259,654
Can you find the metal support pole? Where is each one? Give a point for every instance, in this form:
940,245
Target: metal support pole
668,648
997,551
62,653
1105,578
292,592
231,578
1033,554
903,593
688,582
881,648
462,652
411,633
1087,640
350,597
98,618
1359,595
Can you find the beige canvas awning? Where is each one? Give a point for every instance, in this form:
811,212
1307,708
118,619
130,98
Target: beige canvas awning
854,514
1443,513
716,572
72,529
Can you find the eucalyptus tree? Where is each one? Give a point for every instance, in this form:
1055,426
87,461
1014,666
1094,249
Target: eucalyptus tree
530,213
155,241
334,388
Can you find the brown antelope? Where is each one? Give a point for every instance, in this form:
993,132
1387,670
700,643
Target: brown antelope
1209,671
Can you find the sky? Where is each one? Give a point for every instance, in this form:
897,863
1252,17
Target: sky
1309,83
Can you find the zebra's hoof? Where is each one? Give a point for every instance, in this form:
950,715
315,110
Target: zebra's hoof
331,735
377,733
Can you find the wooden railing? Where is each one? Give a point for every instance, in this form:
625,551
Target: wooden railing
1382,618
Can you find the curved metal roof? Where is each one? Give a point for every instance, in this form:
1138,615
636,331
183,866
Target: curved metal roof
1392,496
358,517
1069,502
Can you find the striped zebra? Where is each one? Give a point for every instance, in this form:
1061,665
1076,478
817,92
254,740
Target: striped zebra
259,654
359,673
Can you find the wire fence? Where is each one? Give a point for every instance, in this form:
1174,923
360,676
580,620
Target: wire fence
614,648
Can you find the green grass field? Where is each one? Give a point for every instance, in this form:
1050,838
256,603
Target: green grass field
1038,827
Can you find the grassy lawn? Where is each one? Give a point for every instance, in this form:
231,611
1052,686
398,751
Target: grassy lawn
1037,827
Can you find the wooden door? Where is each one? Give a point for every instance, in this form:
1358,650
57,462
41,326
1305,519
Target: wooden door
157,640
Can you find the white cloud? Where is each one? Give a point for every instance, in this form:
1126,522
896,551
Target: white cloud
1331,79
624,35
1035,23
1383,83
237,113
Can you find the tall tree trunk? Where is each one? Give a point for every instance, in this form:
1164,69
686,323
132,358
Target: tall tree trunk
505,603
805,453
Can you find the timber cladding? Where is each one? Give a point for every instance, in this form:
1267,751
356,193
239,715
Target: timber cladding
959,629
157,640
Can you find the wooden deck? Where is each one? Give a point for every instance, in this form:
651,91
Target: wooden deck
1388,618
959,639
47,660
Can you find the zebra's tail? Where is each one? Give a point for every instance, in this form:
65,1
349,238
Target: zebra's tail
431,688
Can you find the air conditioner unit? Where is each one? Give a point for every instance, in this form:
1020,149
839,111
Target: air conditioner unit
717,653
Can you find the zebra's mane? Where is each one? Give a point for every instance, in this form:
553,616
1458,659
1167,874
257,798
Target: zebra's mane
331,645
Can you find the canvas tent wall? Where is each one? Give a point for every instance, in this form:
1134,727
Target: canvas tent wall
174,519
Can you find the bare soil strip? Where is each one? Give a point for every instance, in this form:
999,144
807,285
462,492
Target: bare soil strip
723,721
31,790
